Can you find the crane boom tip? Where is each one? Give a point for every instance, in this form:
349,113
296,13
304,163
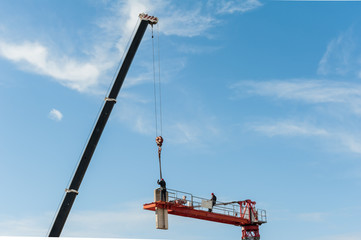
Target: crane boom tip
146,17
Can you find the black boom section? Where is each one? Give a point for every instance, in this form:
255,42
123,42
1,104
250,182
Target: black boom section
72,192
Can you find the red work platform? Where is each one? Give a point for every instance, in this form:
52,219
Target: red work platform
238,213
187,211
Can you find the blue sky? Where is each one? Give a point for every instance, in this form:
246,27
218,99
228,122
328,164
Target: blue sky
261,100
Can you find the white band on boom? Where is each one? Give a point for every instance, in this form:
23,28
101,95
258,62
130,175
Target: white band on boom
71,190
110,99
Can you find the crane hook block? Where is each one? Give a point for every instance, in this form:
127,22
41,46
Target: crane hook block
152,20
159,141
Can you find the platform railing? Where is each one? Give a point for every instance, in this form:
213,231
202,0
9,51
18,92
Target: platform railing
262,217
230,209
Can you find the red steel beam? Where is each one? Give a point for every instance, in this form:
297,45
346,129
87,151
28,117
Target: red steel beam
187,211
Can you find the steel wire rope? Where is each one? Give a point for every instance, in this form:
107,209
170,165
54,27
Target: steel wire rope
160,115
159,84
154,87
159,139
94,123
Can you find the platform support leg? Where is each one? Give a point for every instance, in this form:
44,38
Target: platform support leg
161,214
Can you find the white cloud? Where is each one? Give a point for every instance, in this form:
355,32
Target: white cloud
25,226
287,128
35,57
173,19
308,91
352,142
346,235
188,23
197,134
101,224
55,115
139,116
313,216
347,141
337,57
319,0
194,49
114,29
182,20
109,223
342,56
342,111
334,105
237,6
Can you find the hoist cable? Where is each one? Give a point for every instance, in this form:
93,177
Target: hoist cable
155,88
158,139
160,164
159,83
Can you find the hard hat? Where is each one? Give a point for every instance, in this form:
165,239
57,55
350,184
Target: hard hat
212,193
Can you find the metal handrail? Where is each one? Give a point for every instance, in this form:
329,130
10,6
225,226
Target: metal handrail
262,217
231,209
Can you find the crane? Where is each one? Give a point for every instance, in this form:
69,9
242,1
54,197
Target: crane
73,189
239,213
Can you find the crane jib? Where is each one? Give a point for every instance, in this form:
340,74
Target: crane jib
72,192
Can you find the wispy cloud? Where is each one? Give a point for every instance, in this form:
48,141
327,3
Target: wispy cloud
340,101
351,141
101,224
25,226
193,49
182,19
346,235
139,117
237,6
34,57
342,56
308,91
318,0
115,28
109,223
55,115
196,133
288,128
313,216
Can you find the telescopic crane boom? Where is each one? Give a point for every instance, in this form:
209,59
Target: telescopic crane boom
73,189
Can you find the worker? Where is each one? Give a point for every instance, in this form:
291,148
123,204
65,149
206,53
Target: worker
163,190
184,200
181,201
214,200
